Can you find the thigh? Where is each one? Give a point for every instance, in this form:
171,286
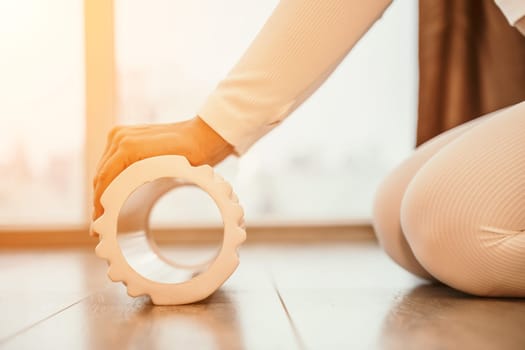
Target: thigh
387,201
463,213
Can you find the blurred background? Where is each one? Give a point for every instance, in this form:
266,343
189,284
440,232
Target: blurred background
321,165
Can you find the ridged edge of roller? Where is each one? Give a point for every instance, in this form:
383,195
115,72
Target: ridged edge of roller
120,271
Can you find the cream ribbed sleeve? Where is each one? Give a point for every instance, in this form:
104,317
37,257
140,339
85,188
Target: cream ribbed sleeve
299,46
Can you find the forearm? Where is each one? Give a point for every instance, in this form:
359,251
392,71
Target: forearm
296,50
212,148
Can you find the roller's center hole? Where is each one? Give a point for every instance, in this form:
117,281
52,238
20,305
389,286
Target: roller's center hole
186,226
169,231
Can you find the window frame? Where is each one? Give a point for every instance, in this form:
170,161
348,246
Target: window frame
99,112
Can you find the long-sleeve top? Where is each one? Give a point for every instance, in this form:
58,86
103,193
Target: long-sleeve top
297,49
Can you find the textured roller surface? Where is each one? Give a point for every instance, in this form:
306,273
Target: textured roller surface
132,256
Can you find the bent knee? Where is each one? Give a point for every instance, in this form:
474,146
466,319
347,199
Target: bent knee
454,247
387,227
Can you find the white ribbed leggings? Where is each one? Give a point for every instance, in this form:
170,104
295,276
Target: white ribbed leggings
455,210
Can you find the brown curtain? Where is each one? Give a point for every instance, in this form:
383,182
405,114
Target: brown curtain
471,62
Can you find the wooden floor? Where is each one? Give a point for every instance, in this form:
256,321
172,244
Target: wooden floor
336,295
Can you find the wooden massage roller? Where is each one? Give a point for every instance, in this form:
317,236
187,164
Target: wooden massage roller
126,243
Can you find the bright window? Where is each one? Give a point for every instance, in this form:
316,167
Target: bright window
323,163
41,112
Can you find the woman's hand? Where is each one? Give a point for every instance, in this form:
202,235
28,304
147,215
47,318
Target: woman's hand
193,139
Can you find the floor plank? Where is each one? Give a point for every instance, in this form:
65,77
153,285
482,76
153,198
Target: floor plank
435,316
338,318
245,314
111,320
351,296
336,295
343,265
38,283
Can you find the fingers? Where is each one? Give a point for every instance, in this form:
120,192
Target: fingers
127,145
114,137
118,133
126,152
109,141
113,153
115,165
